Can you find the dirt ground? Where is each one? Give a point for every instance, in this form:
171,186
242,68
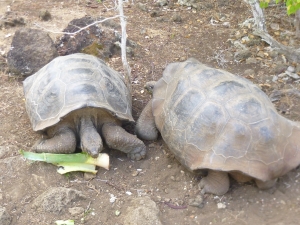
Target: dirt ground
164,34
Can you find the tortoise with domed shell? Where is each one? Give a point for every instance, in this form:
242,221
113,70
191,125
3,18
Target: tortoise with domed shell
215,121
79,99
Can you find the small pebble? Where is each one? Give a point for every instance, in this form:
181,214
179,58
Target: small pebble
76,211
221,205
89,176
274,26
45,15
198,201
291,69
135,173
177,18
282,202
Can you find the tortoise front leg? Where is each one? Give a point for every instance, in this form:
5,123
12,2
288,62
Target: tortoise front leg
145,127
216,182
63,140
117,138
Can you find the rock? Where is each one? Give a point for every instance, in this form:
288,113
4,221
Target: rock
274,26
5,218
76,211
221,205
98,40
280,68
198,201
89,176
251,61
11,19
155,14
56,199
45,15
177,18
162,3
298,68
189,3
135,173
275,78
142,6
222,3
260,54
291,69
293,75
242,55
142,210
31,49
228,56
273,54
249,72
253,42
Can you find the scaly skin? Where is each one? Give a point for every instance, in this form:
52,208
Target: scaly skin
117,138
145,127
62,140
216,182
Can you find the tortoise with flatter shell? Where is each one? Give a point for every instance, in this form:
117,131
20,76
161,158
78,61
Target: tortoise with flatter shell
78,98
215,121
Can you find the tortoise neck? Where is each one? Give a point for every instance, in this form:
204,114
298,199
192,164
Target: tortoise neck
85,122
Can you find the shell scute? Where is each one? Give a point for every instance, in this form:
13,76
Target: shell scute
203,128
234,140
247,108
51,95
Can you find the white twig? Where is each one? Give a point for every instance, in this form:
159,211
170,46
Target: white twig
258,15
127,70
81,29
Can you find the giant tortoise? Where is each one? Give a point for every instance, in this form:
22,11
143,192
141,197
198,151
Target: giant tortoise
215,121
78,97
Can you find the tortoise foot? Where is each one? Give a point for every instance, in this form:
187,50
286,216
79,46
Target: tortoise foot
216,182
138,153
265,184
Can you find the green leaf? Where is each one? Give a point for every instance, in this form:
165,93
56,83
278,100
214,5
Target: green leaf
292,9
263,4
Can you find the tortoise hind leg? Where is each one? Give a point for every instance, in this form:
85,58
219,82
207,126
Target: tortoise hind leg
265,184
216,182
117,138
145,127
63,140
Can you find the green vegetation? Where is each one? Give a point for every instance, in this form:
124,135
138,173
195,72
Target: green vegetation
70,162
291,5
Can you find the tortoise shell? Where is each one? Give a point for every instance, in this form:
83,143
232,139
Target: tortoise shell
71,83
212,119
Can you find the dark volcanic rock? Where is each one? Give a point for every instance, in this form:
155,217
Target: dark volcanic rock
31,49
